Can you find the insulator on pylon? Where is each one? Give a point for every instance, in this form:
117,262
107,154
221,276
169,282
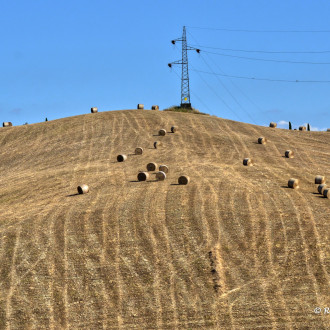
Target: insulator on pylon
173,42
169,64
198,50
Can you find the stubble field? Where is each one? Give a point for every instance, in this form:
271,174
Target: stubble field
233,249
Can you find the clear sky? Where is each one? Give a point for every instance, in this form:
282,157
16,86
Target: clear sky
60,58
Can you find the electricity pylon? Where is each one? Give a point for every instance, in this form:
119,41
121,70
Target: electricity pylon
185,91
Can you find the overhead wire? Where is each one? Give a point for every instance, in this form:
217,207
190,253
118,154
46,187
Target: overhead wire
265,51
264,79
261,51
224,86
259,31
239,89
220,98
264,59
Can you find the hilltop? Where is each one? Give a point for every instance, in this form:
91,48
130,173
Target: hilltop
233,249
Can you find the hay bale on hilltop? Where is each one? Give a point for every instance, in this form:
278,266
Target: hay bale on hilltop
163,168
7,124
138,151
162,132
155,107
273,124
319,179
183,179
321,188
94,110
151,167
140,106
121,158
326,192
160,176
262,140
289,154
157,144
143,176
302,128
83,189
174,129
248,162
328,130
293,183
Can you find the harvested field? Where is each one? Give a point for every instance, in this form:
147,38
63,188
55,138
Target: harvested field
233,249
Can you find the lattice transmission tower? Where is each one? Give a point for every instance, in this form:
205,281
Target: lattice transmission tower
185,91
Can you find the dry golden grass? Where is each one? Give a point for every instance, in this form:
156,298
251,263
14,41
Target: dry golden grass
219,253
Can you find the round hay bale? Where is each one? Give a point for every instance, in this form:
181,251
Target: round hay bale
157,144
326,192
262,140
321,187
162,132
83,189
138,151
183,179
151,167
94,110
289,154
328,130
174,129
143,176
121,158
247,162
140,106
293,183
302,128
163,168
272,124
7,124
161,176
319,179
155,107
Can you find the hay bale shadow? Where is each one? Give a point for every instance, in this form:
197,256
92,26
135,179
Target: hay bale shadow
76,194
134,181
175,184
286,187
156,135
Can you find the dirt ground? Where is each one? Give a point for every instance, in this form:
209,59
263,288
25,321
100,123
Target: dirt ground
234,249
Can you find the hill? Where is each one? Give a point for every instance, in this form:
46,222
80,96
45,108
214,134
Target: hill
233,249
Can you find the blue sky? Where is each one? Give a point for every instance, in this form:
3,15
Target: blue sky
60,58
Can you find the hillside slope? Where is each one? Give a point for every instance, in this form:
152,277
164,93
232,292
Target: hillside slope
233,249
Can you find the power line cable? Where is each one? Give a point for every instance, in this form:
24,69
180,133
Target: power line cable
221,99
265,51
264,79
254,78
235,99
239,89
263,59
259,31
